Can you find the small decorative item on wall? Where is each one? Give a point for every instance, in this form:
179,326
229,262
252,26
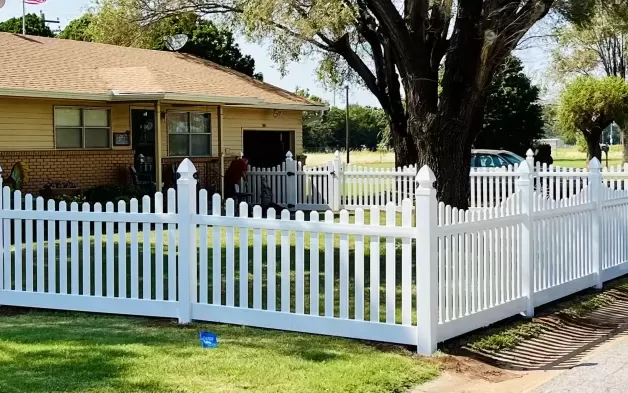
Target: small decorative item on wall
122,138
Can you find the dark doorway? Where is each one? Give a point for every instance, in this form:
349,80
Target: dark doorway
143,128
266,149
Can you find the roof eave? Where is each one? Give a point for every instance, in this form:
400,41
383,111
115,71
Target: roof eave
113,95
294,107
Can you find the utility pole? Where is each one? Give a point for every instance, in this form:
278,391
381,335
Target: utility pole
347,120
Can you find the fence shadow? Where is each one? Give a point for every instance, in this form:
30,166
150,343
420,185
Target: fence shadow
564,340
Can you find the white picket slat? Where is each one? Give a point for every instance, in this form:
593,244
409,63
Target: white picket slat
41,239
159,249
285,265
87,258
28,243
202,250
98,279
134,258
109,277
122,257
244,258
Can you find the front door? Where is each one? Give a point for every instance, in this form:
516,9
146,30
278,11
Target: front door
143,127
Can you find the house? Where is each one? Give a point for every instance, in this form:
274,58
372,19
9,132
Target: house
86,112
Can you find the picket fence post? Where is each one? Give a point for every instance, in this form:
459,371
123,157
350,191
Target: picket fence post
595,189
427,262
291,182
525,190
336,196
186,207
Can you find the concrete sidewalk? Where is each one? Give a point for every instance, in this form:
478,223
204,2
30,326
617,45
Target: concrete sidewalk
605,371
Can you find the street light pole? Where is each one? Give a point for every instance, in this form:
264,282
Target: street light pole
347,121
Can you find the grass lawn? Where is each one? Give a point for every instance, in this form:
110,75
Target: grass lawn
43,351
565,157
74,352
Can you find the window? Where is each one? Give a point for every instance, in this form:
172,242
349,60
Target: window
82,128
488,161
189,134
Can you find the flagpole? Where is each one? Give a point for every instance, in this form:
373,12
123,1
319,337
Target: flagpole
24,17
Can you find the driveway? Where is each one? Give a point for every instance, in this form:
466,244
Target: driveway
606,371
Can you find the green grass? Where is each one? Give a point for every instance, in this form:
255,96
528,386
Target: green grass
564,156
74,352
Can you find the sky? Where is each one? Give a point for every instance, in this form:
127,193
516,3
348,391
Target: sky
302,74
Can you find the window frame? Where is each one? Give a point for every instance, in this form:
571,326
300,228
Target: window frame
189,133
82,127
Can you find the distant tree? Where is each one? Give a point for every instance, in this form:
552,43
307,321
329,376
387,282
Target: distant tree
78,29
588,105
35,25
513,118
111,22
366,124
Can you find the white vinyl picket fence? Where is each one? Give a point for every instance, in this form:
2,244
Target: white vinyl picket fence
425,274
337,185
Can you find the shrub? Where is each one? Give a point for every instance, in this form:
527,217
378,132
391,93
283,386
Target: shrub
113,193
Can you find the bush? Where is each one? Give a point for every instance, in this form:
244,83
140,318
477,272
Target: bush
113,193
68,199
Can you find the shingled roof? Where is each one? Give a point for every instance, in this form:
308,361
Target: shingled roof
54,68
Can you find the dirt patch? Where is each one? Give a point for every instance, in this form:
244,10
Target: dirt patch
473,369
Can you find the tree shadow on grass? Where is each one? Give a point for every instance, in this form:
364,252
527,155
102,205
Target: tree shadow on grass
67,366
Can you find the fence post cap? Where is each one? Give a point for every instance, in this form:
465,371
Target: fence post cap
186,169
529,153
337,154
524,167
289,155
595,163
425,178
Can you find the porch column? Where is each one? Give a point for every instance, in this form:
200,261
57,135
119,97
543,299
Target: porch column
221,155
158,176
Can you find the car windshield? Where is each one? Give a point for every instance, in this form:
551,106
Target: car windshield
512,158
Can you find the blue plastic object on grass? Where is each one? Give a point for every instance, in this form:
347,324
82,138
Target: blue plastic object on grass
208,340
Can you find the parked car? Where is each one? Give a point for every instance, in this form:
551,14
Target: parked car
484,158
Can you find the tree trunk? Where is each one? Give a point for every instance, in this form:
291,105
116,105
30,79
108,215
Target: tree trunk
593,146
446,148
404,146
624,142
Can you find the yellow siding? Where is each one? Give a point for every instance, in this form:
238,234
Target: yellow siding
237,120
240,119
28,124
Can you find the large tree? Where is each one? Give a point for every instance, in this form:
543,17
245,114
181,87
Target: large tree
395,49
111,24
589,105
35,25
513,118
593,41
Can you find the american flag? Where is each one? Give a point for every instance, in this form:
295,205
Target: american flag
33,2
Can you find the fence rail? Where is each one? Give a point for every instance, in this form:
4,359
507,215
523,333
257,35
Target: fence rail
414,274
337,185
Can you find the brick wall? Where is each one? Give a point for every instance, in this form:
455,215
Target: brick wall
86,168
